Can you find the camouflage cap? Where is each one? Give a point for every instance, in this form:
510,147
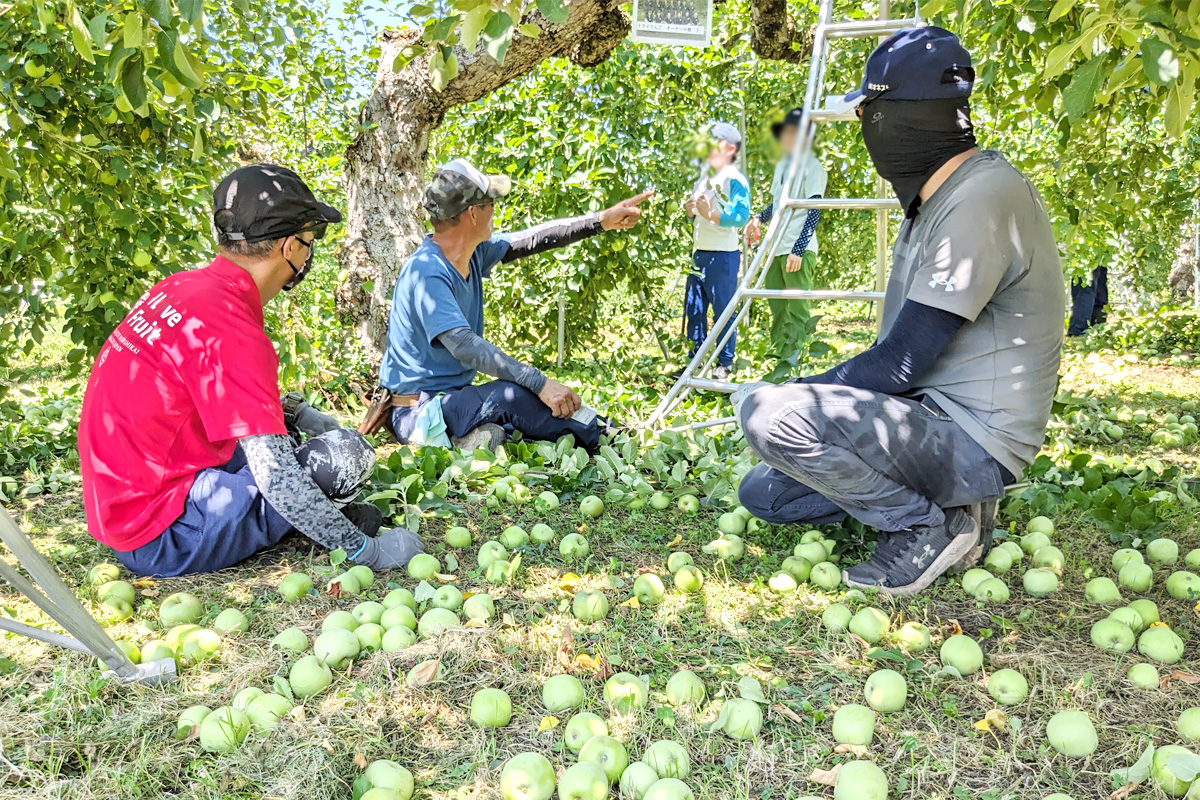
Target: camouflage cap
458,185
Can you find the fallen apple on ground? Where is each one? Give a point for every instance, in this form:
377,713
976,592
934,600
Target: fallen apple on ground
459,537
295,586
963,653
573,547
590,605
583,781
668,759
436,621
836,618
637,778
740,718
224,730
265,711
385,774
423,567
689,579
854,724
581,727
190,718
669,789
527,776
886,691
309,676
1008,687
1072,734
678,560
649,589
625,692
562,692
591,506
181,608
231,620
606,753
860,780
685,688
491,708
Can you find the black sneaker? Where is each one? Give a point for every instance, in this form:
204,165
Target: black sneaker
365,516
916,557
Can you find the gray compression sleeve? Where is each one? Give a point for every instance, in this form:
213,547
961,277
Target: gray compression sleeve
478,353
291,492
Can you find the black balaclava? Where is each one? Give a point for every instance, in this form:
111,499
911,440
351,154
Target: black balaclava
909,140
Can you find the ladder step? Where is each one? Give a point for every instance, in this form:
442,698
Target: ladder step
845,203
862,29
811,294
728,387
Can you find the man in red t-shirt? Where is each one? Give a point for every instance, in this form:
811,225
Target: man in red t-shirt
189,457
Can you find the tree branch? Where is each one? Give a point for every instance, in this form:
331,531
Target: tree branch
774,35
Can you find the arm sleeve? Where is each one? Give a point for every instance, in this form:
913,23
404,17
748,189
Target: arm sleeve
549,235
479,354
765,215
894,364
291,492
738,212
806,233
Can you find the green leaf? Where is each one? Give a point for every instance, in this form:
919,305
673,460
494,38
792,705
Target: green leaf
80,36
532,31
133,81
198,143
185,68
337,557
159,11
1059,59
554,10
1160,62
1080,94
190,11
1180,96
497,36
97,28
1060,9
133,30
472,24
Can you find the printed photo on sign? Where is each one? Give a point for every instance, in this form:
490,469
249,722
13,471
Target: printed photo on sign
677,22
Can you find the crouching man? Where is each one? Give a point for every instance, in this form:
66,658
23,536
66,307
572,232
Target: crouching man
190,460
918,434
435,341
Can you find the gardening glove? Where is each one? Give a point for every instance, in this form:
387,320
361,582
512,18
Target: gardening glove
391,549
313,422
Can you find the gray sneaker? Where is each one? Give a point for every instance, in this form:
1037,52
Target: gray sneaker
984,515
488,436
915,558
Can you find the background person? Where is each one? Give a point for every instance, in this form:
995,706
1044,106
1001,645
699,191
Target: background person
916,434
189,459
1089,302
720,204
435,339
794,258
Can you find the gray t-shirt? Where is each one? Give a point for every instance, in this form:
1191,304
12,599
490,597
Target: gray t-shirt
982,248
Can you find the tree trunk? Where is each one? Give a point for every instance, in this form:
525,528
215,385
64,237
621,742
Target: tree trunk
385,164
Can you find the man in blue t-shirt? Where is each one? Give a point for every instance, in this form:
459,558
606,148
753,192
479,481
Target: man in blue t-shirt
435,341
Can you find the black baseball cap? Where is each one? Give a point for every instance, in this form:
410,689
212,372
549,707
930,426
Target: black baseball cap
924,63
792,118
267,201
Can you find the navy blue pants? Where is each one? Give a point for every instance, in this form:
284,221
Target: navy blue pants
1088,302
226,519
507,404
711,284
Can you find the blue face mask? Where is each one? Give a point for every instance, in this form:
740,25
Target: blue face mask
909,140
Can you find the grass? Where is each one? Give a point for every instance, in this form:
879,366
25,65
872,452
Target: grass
65,732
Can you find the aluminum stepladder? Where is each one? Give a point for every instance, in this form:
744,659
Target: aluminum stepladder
52,596
751,286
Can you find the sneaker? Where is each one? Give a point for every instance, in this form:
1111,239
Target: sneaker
721,373
488,436
364,516
984,515
917,557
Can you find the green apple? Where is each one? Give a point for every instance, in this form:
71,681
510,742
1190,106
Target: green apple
104,573
606,753
520,494
798,568
782,583
854,724
1188,724
398,616
245,696
1144,676
826,575
590,605
265,711
448,597
689,579
389,775
562,692
458,536
669,789
231,620
370,637
740,719
963,653
130,650
397,638
115,610
1040,582
1072,734
688,504
1162,551
1040,524
156,650
295,586
292,639
423,567
117,590
224,730
1164,777
175,636
668,759
1130,617
1013,549
542,533
637,778
1161,644
731,523
1126,555
1049,557
380,794
347,583
573,547
527,776
498,572
870,624
339,619
1111,634
1147,610
1136,577
583,781
993,590
1102,591
625,692
1184,585
886,691
914,637
860,780
812,552
1032,542
998,561
490,553
649,589
201,645
659,501
1008,687
491,708
685,688
546,502
514,536
727,547
479,606
836,618
1192,559
335,648
591,506
972,578
368,611
363,575
580,728
678,560
436,621
181,608
400,597
189,719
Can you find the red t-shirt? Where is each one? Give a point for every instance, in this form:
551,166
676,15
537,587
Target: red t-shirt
185,375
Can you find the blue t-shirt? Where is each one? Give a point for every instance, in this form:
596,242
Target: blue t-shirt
432,297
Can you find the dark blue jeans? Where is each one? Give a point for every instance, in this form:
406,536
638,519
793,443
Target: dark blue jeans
1088,302
711,284
509,405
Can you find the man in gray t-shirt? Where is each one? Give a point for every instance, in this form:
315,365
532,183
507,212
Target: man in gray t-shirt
918,435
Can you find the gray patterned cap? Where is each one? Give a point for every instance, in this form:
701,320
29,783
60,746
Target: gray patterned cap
458,185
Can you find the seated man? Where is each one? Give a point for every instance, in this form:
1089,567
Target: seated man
915,434
189,459
435,330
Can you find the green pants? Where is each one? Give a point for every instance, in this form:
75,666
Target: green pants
789,318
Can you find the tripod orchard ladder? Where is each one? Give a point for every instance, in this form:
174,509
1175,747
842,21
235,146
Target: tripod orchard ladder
751,286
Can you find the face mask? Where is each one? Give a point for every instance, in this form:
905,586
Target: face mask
301,272
909,140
